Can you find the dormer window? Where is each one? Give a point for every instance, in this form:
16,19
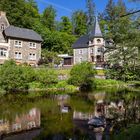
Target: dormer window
2,27
98,40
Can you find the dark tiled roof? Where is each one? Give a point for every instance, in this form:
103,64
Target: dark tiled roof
82,42
22,33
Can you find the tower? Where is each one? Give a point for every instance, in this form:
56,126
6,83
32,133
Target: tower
96,45
3,24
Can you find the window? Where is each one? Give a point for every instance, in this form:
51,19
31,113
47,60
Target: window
80,51
100,49
32,45
91,50
98,41
91,41
2,27
80,59
16,127
18,55
3,52
18,43
32,56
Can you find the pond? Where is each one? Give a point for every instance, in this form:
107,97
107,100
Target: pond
66,117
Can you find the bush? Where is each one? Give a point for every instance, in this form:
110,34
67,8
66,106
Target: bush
46,76
81,75
132,133
13,77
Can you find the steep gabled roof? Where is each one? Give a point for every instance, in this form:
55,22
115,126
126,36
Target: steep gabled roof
22,33
82,42
96,32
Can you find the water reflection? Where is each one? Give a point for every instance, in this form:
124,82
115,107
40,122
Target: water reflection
22,122
65,117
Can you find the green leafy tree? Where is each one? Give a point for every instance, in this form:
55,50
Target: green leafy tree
48,17
20,13
90,14
79,21
66,25
82,75
50,57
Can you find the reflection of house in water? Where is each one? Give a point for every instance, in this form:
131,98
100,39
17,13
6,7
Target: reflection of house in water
62,99
63,103
4,126
21,122
82,116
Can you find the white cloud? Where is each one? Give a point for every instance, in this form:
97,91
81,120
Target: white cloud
55,5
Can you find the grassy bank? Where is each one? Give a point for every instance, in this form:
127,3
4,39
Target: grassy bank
109,83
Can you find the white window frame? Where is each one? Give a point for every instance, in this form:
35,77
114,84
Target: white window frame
80,51
32,45
18,55
32,56
18,43
2,26
3,52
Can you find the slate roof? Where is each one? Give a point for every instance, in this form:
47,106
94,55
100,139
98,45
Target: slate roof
22,33
96,32
83,41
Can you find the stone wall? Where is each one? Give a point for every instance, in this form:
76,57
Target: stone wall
25,51
80,55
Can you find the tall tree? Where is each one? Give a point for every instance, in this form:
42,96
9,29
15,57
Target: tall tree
33,4
48,18
125,35
79,20
65,25
90,14
20,13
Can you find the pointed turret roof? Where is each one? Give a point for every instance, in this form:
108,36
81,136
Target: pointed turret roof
96,32
83,41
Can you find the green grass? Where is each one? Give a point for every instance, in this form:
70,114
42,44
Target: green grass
108,83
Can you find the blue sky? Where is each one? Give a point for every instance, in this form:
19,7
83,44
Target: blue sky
66,7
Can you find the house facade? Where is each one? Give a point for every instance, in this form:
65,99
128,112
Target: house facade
90,47
20,44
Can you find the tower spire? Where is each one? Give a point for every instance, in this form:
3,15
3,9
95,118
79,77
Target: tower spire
96,32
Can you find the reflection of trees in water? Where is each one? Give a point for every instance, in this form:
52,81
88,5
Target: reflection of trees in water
126,113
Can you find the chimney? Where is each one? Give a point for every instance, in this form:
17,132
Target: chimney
2,13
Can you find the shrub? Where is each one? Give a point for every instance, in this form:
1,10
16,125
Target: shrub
46,76
132,133
81,75
12,77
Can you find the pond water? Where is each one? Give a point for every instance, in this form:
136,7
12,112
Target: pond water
65,117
